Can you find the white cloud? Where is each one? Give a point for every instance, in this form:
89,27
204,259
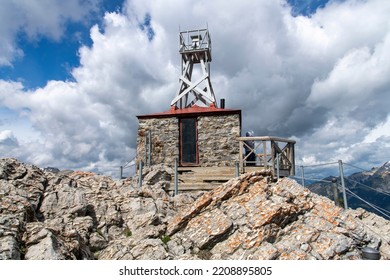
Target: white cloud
7,139
357,80
381,130
322,80
93,119
37,18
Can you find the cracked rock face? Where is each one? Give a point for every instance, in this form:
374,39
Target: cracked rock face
79,215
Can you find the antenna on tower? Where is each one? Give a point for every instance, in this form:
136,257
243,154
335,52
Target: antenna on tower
195,49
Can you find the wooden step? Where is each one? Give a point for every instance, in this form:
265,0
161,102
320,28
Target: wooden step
183,187
205,178
202,178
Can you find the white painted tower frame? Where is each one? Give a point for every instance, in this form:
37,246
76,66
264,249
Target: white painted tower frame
195,48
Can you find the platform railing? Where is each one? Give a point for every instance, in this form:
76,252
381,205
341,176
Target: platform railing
272,153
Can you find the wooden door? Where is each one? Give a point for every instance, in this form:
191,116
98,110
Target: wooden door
188,142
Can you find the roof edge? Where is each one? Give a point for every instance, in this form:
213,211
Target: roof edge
190,112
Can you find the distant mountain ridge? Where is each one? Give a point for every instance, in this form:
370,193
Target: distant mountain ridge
372,186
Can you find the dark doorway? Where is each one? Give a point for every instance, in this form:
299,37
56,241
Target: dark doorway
188,141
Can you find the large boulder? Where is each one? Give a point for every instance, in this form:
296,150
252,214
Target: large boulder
22,189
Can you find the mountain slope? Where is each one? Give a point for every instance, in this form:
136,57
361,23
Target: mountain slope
373,186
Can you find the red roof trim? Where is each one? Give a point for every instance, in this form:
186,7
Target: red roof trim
191,111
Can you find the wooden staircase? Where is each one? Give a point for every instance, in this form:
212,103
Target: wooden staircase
204,178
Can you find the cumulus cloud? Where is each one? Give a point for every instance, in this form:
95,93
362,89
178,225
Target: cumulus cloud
91,123
357,85
322,80
37,18
7,139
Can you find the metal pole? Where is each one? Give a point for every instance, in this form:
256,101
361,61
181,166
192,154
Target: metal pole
303,175
176,178
335,192
277,166
237,169
140,174
146,148
265,156
343,184
149,147
121,173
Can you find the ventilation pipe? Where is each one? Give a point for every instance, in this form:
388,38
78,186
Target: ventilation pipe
222,103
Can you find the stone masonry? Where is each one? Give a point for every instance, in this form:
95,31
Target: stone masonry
164,138
217,136
217,139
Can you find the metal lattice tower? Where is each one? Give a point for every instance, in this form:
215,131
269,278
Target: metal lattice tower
195,48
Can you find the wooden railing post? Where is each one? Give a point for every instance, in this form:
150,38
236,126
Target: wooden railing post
285,153
273,152
292,158
241,156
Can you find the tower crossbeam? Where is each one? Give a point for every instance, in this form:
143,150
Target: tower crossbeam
195,49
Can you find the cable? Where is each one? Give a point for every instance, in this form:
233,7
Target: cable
374,231
323,164
131,162
373,205
126,164
382,192
126,167
377,208
311,179
356,167
370,204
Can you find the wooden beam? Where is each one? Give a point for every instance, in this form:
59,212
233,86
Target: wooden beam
267,138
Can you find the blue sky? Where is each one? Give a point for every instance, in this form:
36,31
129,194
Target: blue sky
74,74
306,7
46,59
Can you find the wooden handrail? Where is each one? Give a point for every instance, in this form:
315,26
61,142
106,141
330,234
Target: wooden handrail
268,158
267,138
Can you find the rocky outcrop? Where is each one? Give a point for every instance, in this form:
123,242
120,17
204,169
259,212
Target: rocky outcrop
372,185
79,215
254,218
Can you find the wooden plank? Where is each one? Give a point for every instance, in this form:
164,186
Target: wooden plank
194,187
266,138
208,178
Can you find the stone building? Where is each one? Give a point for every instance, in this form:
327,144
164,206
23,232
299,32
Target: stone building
197,132
194,130
197,136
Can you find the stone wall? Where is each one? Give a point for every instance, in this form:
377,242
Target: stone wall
217,140
165,140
